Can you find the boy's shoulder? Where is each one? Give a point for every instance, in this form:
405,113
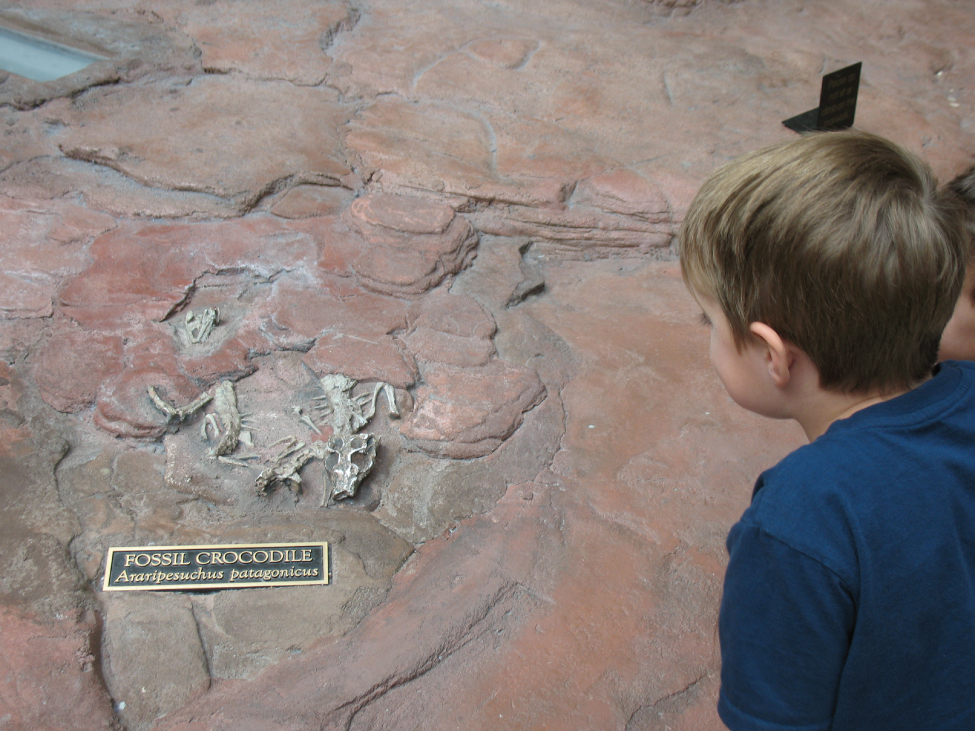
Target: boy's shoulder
856,555
878,471
878,437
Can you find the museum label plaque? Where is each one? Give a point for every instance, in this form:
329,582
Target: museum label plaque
837,103
233,566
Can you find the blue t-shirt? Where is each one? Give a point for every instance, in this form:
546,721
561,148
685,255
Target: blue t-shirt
849,601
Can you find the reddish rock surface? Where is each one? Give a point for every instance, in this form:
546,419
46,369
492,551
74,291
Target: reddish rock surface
464,412
474,203
50,676
413,244
42,247
233,38
73,363
381,358
295,127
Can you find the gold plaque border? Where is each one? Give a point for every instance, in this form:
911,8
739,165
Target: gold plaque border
324,580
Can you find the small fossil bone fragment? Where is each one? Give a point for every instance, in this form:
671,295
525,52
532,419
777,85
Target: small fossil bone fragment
177,414
292,447
239,461
305,419
200,324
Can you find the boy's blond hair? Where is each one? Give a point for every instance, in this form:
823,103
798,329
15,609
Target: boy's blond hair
963,186
842,243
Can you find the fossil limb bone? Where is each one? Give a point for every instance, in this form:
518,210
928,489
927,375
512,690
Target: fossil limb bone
287,469
177,414
225,420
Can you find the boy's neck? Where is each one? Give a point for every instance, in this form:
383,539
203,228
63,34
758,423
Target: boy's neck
818,411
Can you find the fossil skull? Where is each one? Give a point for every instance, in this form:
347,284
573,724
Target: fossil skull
348,459
200,324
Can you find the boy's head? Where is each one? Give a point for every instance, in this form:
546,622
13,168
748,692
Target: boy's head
840,242
958,340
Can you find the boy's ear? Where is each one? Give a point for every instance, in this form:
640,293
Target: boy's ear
778,356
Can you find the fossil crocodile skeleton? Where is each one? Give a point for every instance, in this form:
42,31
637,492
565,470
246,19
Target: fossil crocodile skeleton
348,455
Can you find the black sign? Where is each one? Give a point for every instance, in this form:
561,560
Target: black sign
216,567
837,103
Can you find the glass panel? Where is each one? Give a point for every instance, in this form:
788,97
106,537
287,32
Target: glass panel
38,59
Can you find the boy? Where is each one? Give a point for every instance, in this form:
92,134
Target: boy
827,268
958,340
